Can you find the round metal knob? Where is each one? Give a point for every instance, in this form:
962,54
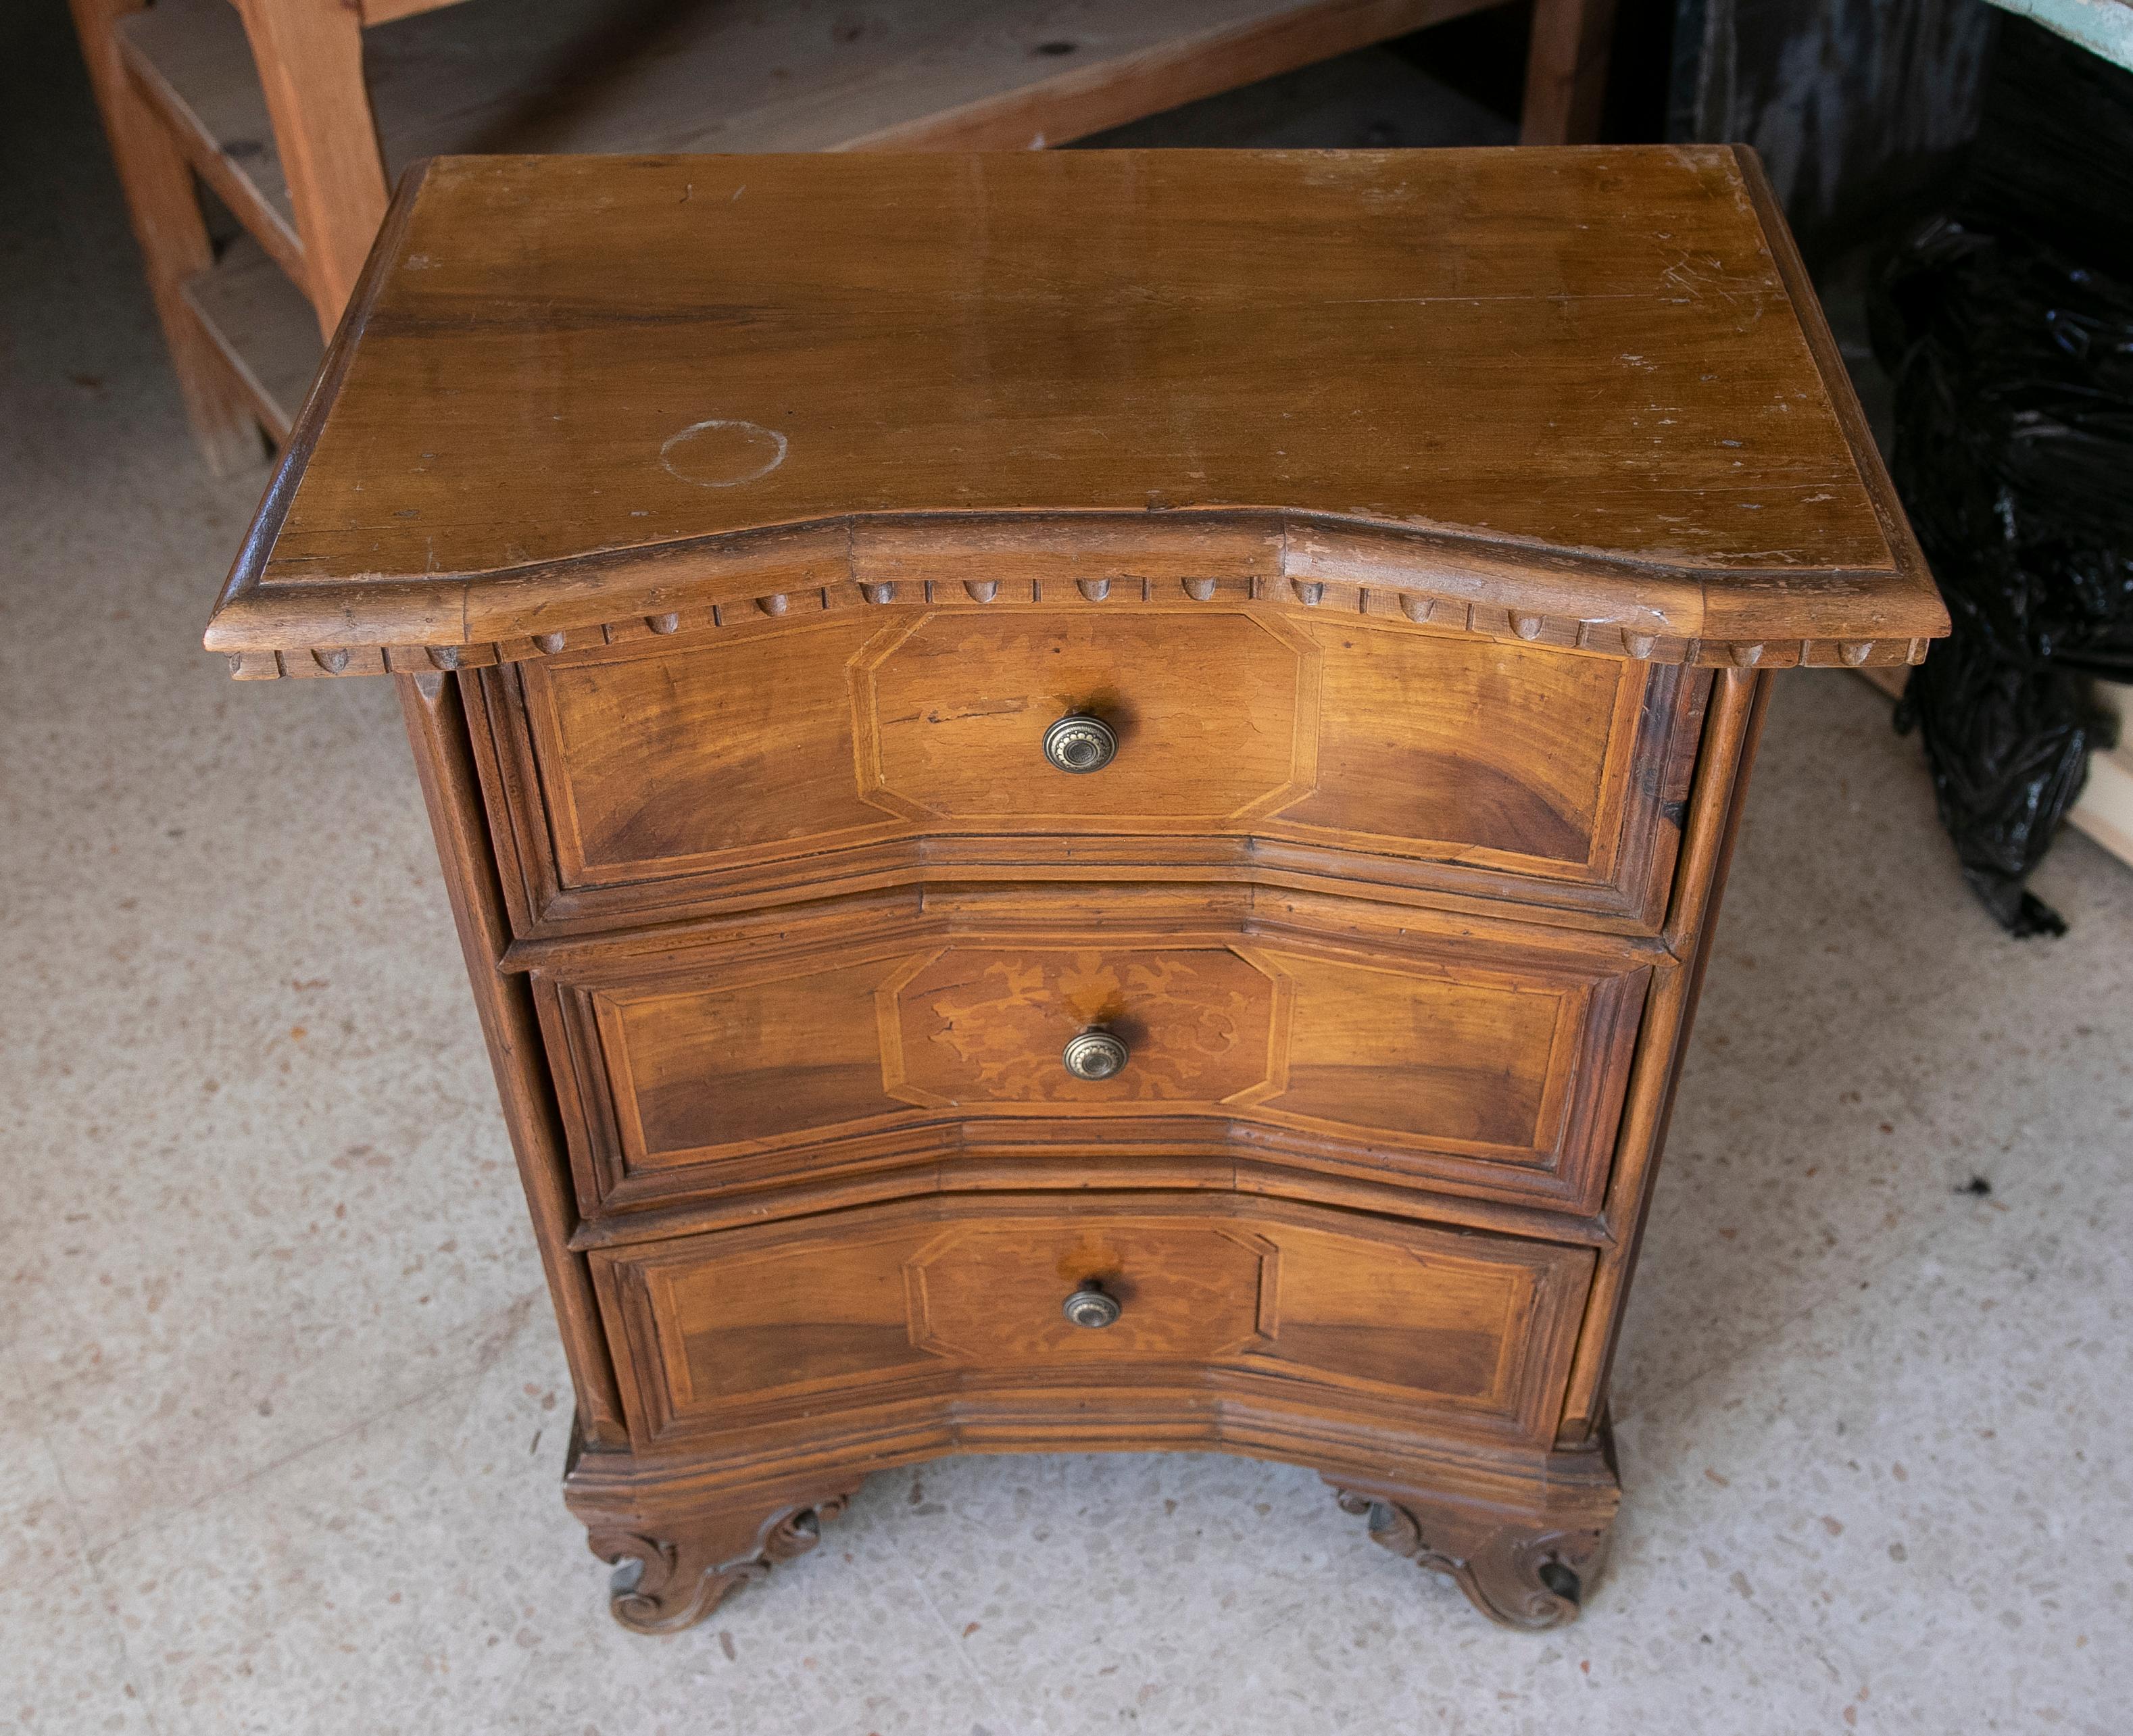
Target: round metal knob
1080,743
1089,1307
1094,1054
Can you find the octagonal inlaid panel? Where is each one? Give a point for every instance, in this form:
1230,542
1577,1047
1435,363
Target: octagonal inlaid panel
978,1025
1215,716
1186,1290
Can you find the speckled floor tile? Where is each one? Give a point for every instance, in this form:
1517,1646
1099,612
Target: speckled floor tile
270,1186
420,1573
256,1183
1922,1480
1204,1595
64,1668
282,1411
1867,1046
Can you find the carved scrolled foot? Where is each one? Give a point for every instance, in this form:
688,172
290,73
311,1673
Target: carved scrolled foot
1522,1573
665,1583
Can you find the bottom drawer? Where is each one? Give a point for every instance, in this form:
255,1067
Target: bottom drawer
1456,1330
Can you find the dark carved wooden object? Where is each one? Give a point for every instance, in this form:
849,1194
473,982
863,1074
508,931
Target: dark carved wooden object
667,1582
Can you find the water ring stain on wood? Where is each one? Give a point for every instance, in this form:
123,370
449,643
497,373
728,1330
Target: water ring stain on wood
722,453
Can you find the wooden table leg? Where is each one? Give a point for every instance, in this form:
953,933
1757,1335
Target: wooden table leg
310,57
1566,71
166,212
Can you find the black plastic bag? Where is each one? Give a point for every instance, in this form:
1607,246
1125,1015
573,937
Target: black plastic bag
2009,339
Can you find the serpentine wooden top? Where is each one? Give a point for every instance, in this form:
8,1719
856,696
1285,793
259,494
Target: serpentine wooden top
1581,396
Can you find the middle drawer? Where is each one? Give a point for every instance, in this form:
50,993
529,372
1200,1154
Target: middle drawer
1489,1066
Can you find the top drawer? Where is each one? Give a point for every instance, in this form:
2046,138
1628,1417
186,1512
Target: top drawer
866,746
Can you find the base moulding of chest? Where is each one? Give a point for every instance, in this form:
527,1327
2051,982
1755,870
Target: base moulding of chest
1525,1540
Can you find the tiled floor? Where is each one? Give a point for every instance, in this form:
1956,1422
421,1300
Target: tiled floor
282,1412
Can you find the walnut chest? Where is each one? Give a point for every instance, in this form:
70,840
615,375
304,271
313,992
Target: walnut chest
1084,792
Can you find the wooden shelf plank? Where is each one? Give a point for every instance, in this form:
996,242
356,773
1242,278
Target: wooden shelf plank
264,327
590,76
1374,99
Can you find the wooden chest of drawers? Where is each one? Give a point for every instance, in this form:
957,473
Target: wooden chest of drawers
1084,794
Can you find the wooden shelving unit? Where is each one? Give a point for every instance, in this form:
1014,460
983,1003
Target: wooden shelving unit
300,113
265,331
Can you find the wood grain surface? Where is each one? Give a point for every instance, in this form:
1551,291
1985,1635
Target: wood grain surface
1570,385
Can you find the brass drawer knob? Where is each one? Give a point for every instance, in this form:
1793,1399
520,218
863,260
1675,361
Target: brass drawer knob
1095,1053
1080,743
1089,1307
